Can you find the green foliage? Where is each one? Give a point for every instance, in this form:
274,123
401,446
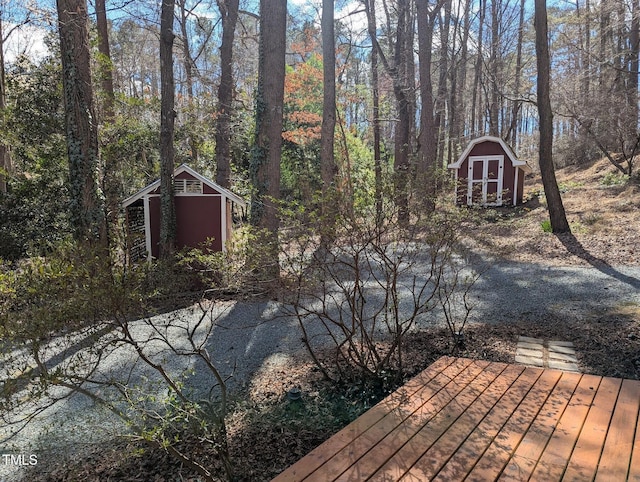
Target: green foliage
546,226
35,209
239,269
569,186
35,121
360,159
134,143
33,214
615,178
76,306
300,171
65,288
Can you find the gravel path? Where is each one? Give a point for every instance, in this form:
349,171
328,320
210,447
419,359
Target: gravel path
507,291
248,336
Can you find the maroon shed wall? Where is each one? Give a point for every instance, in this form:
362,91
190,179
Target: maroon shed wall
203,213
198,218
520,197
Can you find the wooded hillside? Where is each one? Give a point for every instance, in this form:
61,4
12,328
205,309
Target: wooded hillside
413,82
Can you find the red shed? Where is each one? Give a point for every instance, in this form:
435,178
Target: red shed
489,174
204,211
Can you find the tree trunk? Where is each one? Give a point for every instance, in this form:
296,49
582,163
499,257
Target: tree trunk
452,102
494,70
111,185
105,66
398,73
403,126
427,138
265,162
229,15
442,81
512,135
477,116
5,154
460,99
375,87
634,41
411,81
327,159
87,215
189,65
167,123
586,64
557,215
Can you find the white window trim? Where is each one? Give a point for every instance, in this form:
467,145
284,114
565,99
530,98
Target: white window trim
180,186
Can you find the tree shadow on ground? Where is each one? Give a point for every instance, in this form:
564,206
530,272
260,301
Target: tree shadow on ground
574,246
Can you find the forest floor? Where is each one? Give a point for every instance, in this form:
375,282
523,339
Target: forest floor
267,434
603,212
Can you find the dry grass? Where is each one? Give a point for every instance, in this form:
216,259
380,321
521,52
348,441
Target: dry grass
604,219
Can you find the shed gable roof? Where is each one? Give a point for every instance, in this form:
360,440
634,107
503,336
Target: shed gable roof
184,168
510,154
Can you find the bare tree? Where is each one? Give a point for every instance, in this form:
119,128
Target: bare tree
370,8
557,215
269,107
105,65
427,137
229,14
111,186
5,156
167,123
6,8
477,118
87,213
357,303
190,70
517,103
327,133
398,72
634,63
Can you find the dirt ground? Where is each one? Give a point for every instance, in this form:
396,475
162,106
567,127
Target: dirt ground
604,218
267,433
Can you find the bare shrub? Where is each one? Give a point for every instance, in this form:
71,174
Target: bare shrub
138,370
362,295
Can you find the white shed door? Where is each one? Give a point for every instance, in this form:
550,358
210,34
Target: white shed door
485,180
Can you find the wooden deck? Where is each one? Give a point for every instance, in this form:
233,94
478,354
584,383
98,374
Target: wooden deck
462,419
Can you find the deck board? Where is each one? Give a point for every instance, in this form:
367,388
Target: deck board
586,454
618,446
421,440
475,420
553,461
391,433
496,457
447,445
523,461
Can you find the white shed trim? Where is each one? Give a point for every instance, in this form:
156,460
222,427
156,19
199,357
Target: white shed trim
512,157
147,227
184,168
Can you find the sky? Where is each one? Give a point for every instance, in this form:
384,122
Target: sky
30,39
26,39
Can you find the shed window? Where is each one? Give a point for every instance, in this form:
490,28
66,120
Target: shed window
191,186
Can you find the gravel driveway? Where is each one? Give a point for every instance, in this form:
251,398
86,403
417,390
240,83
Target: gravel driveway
248,336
